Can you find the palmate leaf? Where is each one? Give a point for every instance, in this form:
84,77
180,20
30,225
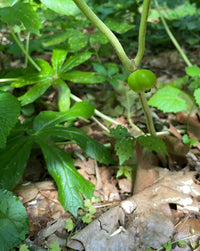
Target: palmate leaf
91,147
13,160
9,112
32,76
13,221
35,92
21,13
49,119
76,60
63,95
69,182
58,58
83,77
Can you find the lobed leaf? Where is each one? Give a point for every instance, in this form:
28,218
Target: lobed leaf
63,95
91,147
49,118
70,183
76,60
83,77
34,93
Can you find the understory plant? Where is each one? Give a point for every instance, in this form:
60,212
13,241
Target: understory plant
50,129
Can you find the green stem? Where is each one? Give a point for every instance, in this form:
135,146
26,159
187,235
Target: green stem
107,32
173,39
147,113
2,80
22,48
27,49
142,32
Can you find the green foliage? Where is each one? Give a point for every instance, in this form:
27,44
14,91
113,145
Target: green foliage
23,15
153,143
187,140
69,225
124,148
88,210
53,76
9,112
45,130
13,220
168,99
124,170
55,247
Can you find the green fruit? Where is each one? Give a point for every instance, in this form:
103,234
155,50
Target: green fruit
141,80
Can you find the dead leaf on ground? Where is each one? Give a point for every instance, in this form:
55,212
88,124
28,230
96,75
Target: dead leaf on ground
138,223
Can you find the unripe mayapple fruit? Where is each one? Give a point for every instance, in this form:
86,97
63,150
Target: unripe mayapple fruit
141,80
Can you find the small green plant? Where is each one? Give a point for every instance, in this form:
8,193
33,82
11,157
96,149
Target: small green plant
124,171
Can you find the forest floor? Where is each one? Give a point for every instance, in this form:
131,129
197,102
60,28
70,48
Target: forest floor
163,207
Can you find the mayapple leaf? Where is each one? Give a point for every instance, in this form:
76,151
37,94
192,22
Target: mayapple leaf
21,13
124,148
49,118
83,77
13,220
75,60
71,185
119,132
153,143
91,147
58,58
168,100
65,7
9,113
193,71
32,76
35,92
63,95
13,160
197,96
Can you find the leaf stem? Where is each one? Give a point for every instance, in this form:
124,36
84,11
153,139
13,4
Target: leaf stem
147,113
22,48
81,4
173,39
142,32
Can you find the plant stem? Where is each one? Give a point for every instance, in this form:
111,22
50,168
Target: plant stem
2,80
147,113
27,48
107,32
142,32
173,39
23,50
